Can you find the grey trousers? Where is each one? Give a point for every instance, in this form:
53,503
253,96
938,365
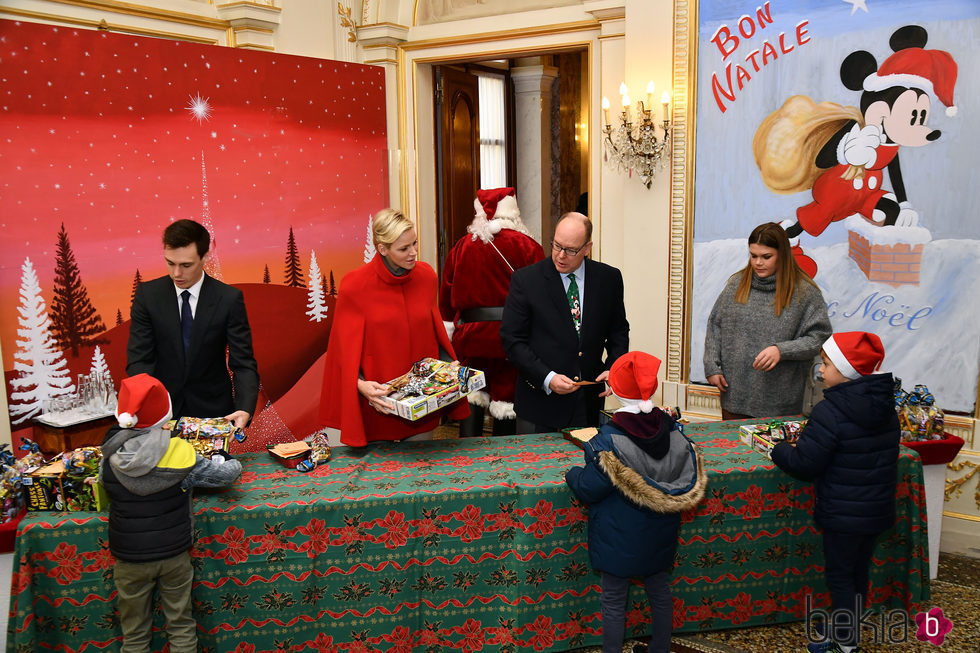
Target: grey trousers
615,592
135,582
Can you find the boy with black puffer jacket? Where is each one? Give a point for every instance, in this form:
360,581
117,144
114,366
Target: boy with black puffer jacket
640,473
149,477
849,447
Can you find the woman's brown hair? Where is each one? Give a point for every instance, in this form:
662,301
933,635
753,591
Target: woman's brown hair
788,273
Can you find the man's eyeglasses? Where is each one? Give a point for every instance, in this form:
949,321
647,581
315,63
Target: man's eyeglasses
571,251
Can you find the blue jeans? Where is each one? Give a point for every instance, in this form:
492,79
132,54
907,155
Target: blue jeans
615,590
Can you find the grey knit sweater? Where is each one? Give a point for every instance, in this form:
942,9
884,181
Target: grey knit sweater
738,332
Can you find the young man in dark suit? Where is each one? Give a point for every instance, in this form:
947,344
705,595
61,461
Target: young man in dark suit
561,315
181,325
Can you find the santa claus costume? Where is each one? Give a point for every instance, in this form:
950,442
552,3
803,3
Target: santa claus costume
475,281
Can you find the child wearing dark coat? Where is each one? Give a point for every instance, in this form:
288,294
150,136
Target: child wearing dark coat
640,473
849,447
149,477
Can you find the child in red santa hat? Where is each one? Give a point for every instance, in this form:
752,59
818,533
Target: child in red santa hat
849,448
640,473
149,476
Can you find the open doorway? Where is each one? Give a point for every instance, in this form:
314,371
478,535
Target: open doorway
490,132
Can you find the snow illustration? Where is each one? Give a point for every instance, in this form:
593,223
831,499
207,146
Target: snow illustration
369,250
317,308
40,370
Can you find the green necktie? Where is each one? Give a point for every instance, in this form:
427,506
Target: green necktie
573,303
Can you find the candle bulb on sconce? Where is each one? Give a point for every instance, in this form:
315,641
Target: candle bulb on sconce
635,146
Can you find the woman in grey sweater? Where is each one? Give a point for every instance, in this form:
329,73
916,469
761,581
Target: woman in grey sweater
764,330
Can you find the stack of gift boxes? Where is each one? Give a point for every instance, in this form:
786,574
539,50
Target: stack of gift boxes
68,481
763,437
431,384
920,419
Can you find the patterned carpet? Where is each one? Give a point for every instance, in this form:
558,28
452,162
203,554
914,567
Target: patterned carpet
956,591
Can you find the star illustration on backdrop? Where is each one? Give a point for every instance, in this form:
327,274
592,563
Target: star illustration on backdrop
858,4
200,108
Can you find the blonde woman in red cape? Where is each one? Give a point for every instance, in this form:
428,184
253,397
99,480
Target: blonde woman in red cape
386,319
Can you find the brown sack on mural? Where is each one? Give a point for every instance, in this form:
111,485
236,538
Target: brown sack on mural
788,141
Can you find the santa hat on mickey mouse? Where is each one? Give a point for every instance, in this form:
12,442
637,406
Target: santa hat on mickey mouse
855,353
496,209
143,403
633,379
933,71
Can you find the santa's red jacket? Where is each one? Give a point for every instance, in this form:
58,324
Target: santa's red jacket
476,275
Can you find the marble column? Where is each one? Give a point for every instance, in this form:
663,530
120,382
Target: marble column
532,131
379,44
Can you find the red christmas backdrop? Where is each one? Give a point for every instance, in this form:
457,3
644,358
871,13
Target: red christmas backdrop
112,137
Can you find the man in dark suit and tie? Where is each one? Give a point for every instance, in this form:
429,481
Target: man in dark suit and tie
561,315
181,326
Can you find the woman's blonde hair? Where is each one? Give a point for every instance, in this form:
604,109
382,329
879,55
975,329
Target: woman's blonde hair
388,225
788,273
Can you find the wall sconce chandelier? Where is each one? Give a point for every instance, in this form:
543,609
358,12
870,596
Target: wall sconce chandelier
635,146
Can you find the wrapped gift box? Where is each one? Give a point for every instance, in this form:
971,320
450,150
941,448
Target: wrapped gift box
207,434
289,454
763,437
431,384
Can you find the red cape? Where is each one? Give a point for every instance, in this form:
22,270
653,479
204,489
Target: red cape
382,325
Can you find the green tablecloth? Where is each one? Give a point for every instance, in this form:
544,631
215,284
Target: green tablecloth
474,544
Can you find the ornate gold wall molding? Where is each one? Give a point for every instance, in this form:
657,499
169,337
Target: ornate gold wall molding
682,189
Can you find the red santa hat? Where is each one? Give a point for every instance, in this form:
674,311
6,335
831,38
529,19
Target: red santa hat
855,353
489,199
933,71
633,379
499,203
143,403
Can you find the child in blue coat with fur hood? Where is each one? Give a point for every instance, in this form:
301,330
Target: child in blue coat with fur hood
640,473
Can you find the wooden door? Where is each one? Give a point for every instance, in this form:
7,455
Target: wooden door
457,122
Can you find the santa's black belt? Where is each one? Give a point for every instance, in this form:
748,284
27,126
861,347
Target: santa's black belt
482,314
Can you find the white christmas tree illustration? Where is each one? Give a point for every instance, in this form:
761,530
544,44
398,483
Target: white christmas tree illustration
318,309
99,366
41,372
369,245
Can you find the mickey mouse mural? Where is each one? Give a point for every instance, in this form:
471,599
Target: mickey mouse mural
840,152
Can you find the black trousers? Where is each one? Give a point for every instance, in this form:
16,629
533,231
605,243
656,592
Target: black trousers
847,559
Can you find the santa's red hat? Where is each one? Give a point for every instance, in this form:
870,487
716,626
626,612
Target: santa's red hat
933,71
499,203
490,201
143,403
633,378
855,353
